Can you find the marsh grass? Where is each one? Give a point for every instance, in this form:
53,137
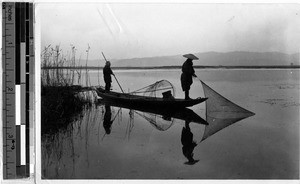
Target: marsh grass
57,76
60,87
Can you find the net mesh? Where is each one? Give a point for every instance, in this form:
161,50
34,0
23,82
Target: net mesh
157,89
159,122
220,112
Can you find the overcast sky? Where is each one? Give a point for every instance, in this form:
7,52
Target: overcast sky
144,30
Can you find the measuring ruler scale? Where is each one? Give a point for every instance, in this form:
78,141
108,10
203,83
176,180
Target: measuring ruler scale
18,88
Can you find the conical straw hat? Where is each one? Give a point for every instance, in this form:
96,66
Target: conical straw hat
190,56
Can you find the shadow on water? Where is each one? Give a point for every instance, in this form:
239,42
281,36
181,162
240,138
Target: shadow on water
153,115
188,144
64,150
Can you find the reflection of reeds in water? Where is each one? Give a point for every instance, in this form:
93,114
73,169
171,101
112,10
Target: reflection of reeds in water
130,124
61,152
68,150
118,116
64,150
53,150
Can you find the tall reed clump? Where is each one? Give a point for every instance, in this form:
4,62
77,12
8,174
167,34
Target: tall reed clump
60,84
57,70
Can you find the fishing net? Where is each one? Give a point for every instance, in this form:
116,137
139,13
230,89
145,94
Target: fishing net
159,89
220,112
161,123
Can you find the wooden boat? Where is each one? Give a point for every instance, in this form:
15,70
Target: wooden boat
131,99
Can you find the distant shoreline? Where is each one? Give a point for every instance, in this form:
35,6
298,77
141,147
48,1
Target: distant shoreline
179,67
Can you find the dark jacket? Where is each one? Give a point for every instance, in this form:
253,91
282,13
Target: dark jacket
187,74
106,74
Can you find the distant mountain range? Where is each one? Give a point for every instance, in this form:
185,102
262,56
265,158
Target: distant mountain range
238,58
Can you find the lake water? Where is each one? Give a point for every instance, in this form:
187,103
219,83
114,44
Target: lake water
263,146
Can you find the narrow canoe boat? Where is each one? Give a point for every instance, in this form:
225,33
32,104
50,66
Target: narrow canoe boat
145,101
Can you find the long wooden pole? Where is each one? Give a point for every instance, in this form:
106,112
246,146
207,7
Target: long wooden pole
119,84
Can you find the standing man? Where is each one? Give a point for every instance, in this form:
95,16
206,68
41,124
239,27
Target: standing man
187,73
106,74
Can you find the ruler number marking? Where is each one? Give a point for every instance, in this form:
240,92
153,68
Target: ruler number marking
9,89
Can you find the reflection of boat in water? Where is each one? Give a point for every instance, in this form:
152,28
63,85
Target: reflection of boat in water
166,113
166,101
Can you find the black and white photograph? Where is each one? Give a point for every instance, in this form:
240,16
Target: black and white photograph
169,91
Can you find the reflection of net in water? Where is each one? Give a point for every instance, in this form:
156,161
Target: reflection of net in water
159,122
220,112
156,89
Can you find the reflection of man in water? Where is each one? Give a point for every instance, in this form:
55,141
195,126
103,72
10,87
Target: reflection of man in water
188,144
107,119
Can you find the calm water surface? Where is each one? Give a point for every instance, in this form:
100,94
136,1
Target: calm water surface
264,146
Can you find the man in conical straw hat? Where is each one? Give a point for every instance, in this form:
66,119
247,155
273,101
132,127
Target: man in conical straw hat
188,73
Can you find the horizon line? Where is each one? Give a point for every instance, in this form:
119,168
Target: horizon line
114,59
